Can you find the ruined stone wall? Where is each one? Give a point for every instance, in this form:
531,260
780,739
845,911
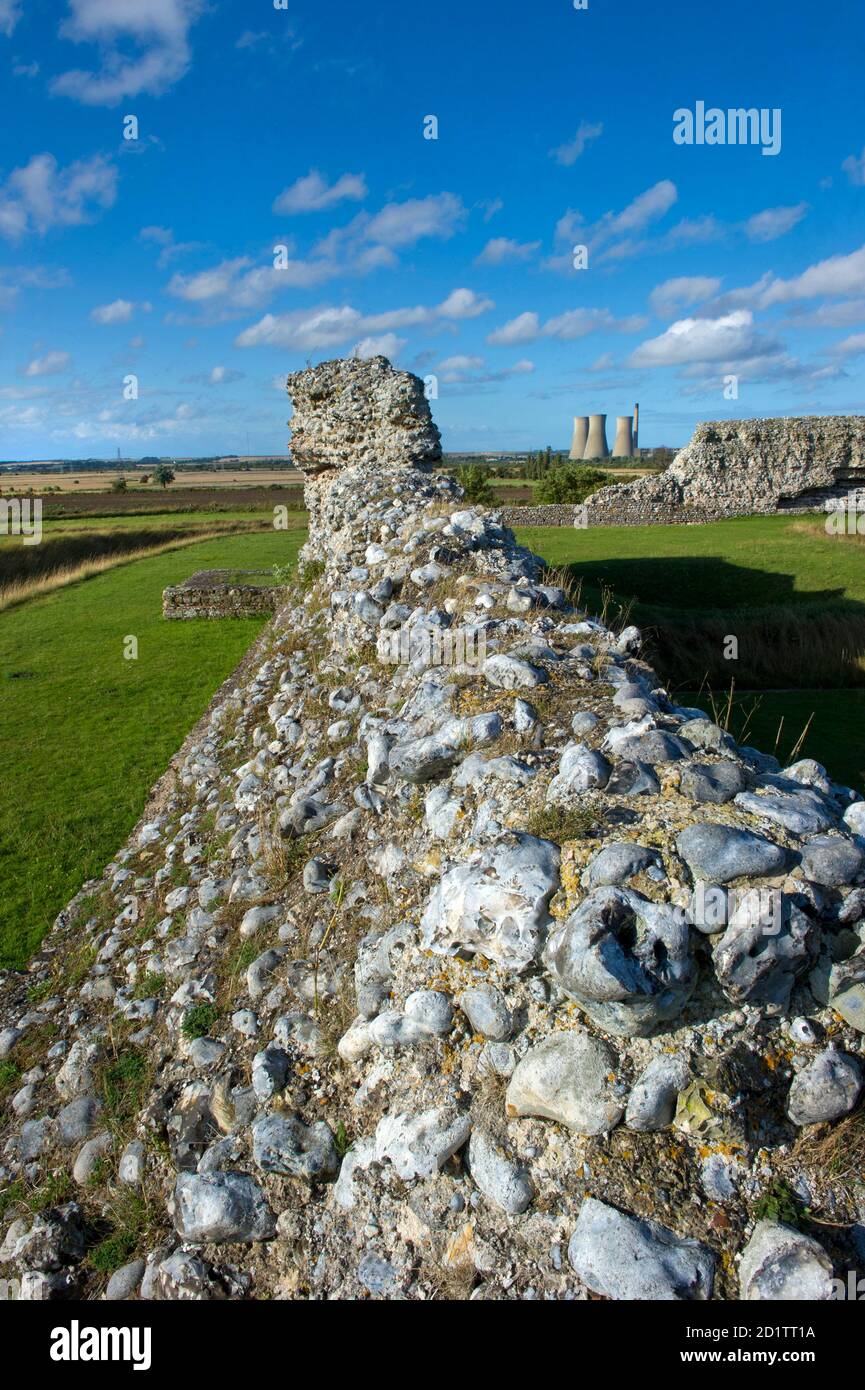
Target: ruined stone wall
738,467
505,978
212,594
625,513
360,413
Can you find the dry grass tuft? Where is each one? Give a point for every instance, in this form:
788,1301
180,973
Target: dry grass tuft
840,1152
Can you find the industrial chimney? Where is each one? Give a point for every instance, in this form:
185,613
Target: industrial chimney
578,441
623,447
596,443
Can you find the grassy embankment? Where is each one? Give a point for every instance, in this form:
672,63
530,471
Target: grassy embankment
72,550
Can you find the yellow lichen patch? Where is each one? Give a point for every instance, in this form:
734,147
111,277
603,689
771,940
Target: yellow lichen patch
570,876
725,1150
430,862
692,1112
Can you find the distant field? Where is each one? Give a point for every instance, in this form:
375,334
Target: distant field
185,479
74,549
89,494
144,501
260,518
85,733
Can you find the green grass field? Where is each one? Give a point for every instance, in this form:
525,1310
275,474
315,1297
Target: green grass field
86,733
793,596
169,521
746,563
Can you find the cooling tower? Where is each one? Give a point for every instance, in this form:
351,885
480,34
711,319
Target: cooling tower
624,445
596,443
581,431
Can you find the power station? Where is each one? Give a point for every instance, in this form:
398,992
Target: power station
589,440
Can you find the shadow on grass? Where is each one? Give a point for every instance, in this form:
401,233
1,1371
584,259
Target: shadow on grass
691,607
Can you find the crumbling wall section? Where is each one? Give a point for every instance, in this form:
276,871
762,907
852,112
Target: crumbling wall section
739,467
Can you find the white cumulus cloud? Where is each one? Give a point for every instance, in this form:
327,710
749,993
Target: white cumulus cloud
313,192
570,152
143,47
855,169
774,222
118,311
49,365
681,292
853,346
702,340
574,323
330,325
502,250
384,345
522,329
40,195
401,224
10,13
838,275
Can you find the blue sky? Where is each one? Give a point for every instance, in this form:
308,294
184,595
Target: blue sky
303,128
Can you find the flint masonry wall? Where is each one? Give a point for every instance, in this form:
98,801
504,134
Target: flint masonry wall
739,467
363,415
215,594
511,979
625,513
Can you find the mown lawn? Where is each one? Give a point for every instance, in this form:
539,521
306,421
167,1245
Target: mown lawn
86,733
749,562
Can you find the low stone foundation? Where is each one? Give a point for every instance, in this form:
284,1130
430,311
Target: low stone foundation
219,594
561,514
556,514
